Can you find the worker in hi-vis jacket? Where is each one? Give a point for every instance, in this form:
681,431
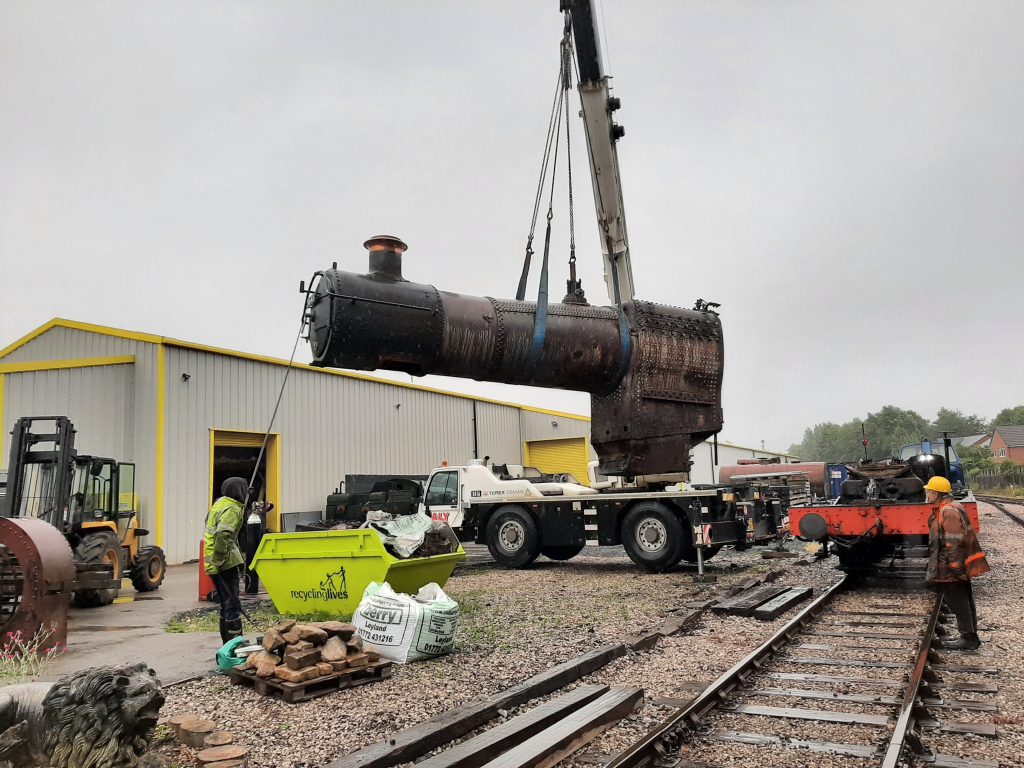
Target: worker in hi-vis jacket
954,558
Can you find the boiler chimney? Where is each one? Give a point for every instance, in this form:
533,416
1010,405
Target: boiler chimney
386,256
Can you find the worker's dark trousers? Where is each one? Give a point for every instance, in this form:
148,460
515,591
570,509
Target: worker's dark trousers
959,596
230,606
253,536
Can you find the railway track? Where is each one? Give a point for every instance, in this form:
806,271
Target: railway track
1000,502
856,679
865,664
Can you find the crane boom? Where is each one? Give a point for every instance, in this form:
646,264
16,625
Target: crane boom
602,134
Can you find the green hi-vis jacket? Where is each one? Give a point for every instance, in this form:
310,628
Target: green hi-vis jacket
222,526
954,553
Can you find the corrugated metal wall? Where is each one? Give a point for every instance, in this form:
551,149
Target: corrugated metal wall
705,471
544,426
100,401
67,344
329,426
499,433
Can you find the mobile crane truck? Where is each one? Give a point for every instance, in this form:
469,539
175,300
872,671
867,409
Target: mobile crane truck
654,371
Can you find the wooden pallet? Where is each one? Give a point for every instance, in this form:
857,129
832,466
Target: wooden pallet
293,693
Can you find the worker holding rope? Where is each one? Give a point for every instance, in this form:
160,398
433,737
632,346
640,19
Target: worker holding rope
222,559
954,558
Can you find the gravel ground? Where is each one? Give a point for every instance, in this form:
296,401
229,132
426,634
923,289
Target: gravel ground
515,625
1001,616
699,656
1002,620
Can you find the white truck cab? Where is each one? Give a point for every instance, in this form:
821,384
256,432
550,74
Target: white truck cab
451,490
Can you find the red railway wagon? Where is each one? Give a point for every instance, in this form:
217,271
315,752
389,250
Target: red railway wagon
878,519
880,513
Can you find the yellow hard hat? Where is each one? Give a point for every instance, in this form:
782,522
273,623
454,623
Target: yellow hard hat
939,484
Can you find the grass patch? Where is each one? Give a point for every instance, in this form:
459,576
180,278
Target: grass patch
1013,491
476,630
262,616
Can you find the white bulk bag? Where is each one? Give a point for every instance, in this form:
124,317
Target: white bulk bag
404,628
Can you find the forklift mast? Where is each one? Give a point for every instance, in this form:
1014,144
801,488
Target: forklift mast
40,470
49,480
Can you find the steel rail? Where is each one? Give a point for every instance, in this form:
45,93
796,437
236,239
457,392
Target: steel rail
999,503
906,723
666,737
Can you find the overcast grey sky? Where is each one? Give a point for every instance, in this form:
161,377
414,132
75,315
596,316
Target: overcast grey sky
846,178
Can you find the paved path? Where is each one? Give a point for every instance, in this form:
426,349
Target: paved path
131,631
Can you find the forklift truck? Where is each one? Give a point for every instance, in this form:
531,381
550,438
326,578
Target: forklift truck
89,499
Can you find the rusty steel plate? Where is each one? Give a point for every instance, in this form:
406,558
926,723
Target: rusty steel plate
37,569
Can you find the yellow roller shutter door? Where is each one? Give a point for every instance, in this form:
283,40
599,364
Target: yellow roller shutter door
551,456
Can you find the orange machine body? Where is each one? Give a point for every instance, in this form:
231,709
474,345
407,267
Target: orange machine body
869,520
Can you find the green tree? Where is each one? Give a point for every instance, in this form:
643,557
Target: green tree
893,427
976,458
1009,417
887,431
958,424
833,443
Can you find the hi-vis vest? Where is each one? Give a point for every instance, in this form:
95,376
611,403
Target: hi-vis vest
954,553
221,539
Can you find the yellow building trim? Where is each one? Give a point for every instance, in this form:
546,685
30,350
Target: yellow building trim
249,439
29,337
53,365
161,438
3,422
58,322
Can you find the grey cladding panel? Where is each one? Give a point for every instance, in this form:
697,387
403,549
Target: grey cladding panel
98,400
543,426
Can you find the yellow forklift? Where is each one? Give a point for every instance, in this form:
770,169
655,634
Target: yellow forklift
90,499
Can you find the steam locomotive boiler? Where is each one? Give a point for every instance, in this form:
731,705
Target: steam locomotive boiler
654,372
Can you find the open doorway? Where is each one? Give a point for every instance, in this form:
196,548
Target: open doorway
234,454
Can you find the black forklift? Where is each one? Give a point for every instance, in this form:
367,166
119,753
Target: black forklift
89,499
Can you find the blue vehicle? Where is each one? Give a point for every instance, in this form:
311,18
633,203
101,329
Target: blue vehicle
946,456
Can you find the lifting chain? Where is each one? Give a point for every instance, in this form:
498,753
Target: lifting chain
560,103
545,160
574,287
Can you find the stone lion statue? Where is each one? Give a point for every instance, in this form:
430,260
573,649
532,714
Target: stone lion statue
97,718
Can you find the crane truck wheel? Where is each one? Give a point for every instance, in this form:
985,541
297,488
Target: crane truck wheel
653,536
512,537
148,570
98,548
567,552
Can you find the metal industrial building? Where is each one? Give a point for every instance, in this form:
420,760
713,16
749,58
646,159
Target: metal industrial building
189,414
